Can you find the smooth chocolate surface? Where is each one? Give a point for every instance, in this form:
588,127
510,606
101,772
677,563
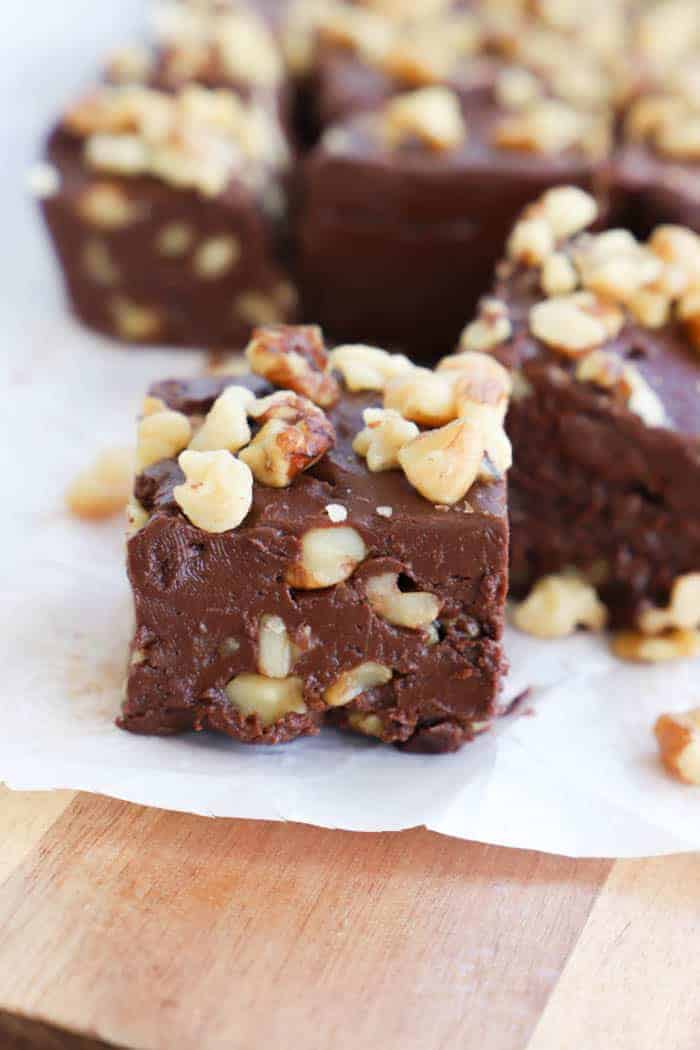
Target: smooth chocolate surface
199,598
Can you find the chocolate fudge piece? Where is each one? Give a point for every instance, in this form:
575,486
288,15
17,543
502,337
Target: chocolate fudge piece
602,333
406,209
315,546
161,213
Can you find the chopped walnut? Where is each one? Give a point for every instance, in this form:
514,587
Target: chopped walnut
103,488
558,275
568,210
136,517
432,115
517,88
276,651
367,367
175,240
162,434
443,464
678,737
295,357
411,609
676,644
130,64
478,378
226,423
134,322
99,264
384,434
268,699
327,556
575,324
370,725
353,683
683,610
294,435
557,605
218,490
531,241
490,329
106,205
611,372
216,256
547,126
613,264
423,396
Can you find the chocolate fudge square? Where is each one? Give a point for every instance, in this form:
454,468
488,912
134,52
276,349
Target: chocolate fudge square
324,541
602,333
406,209
161,214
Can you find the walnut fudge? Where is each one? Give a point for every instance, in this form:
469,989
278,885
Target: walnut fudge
407,208
161,212
602,334
323,541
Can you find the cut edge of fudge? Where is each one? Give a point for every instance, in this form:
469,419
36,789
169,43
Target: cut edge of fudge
602,335
323,541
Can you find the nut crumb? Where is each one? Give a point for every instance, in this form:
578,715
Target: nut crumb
43,181
678,644
103,488
336,513
678,737
557,605
385,512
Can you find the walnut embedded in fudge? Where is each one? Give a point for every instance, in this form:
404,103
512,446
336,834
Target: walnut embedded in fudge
160,217
599,332
271,600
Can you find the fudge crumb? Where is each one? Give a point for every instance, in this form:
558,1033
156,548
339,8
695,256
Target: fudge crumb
336,512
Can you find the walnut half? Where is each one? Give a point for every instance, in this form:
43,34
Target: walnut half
294,357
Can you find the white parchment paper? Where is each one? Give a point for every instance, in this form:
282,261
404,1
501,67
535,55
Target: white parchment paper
578,776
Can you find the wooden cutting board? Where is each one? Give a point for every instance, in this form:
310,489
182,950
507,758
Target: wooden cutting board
160,931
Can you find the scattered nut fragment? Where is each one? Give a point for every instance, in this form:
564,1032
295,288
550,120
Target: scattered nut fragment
175,240
106,205
558,275
614,373
367,367
568,210
574,324
130,64
328,556
276,651
385,433
412,609
256,308
162,434
478,379
218,489
43,181
370,725
226,423
680,248
677,644
491,328
683,610
103,488
385,512
216,256
432,115
557,605
517,88
615,265
294,436
98,263
336,513
136,517
678,737
531,241
353,683
134,322
444,464
546,126
268,698
295,357
423,396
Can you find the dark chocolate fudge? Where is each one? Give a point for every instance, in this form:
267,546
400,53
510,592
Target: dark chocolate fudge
602,333
321,542
406,209
163,214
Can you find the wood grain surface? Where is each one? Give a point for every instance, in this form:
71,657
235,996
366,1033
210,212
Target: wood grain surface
158,931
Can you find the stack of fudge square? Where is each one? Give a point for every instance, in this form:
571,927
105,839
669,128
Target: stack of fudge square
483,213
